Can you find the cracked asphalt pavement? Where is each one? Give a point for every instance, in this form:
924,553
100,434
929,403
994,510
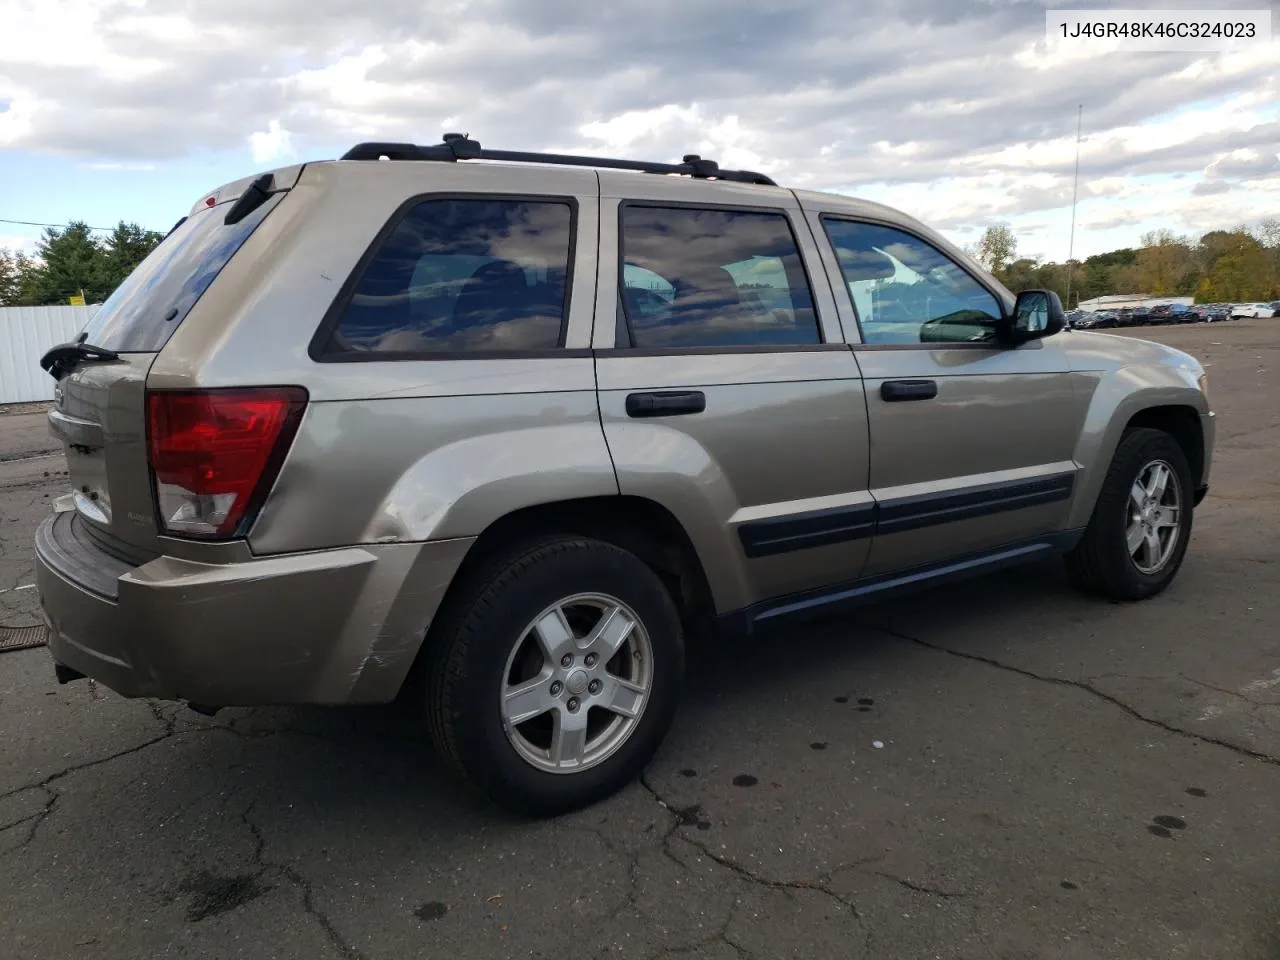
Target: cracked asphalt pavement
998,769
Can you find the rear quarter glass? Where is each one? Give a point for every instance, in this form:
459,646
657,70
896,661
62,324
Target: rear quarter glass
144,311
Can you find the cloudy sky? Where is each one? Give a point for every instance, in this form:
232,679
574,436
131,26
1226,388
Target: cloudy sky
955,110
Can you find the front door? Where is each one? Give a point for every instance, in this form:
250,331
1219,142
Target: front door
726,392
972,443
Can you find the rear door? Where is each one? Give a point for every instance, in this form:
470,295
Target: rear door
725,391
99,410
972,442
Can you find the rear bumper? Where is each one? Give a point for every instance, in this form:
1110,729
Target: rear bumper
333,626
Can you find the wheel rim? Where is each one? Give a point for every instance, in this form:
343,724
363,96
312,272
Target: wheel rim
1154,523
576,683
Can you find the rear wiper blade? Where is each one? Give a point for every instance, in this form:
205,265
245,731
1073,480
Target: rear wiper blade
60,360
254,196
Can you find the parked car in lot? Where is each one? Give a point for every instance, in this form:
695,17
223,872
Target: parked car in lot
1163,313
499,435
1126,317
1097,320
1252,310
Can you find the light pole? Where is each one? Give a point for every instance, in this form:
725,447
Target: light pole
1075,193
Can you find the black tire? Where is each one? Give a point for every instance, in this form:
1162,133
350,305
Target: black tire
474,636
1101,563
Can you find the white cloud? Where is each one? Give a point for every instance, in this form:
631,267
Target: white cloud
959,113
1209,188
121,166
274,143
1245,164
18,243
17,120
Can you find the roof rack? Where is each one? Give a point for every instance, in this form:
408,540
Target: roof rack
458,146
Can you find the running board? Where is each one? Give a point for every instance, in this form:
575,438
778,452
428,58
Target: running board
807,606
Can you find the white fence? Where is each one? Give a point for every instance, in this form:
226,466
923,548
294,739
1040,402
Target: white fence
25,334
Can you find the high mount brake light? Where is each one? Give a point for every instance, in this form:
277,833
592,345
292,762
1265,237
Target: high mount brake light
214,455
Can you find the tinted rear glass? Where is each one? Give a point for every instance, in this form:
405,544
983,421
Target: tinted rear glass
144,311
461,276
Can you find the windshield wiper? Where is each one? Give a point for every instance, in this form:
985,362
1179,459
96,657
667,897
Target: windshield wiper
60,360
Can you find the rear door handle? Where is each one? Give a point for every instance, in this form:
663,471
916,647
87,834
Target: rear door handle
665,403
897,391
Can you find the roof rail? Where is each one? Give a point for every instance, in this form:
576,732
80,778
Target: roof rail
458,146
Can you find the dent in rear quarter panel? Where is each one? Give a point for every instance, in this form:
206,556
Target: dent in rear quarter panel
431,468
1122,377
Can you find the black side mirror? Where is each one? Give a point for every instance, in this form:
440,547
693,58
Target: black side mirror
1036,314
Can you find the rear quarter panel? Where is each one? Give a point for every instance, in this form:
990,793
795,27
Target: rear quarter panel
434,467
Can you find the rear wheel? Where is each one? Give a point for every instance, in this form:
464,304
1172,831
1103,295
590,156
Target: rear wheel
1138,533
555,673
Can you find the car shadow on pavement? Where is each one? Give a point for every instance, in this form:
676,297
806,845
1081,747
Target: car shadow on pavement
340,805
342,760
797,658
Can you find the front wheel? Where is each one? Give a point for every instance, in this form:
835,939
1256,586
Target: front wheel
555,674
1141,524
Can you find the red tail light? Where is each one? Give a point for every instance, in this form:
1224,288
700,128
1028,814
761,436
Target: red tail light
214,455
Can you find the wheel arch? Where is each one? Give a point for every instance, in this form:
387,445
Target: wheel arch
636,524
1183,424
1119,405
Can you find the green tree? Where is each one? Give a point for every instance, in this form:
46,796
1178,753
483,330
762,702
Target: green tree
1223,265
1053,276
1236,265
1165,265
1267,232
19,275
1240,275
11,268
127,247
997,247
1021,274
70,261
1098,276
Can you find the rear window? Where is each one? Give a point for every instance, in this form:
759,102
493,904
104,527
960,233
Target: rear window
144,311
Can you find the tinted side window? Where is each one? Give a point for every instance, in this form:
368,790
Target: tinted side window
711,278
463,275
907,291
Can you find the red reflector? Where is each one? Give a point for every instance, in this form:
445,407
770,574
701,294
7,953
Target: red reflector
213,453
